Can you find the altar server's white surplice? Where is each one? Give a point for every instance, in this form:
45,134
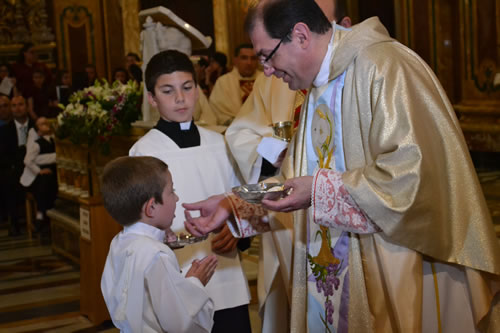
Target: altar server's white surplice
144,289
197,173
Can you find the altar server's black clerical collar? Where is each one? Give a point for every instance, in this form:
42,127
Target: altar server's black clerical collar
185,135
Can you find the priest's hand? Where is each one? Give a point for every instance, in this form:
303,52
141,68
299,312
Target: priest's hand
299,196
203,269
214,211
224,241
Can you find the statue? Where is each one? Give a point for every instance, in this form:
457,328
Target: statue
170,38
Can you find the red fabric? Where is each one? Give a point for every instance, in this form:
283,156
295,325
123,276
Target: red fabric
246,86
296,115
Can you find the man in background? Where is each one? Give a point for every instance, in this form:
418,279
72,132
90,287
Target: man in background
13,138
232,89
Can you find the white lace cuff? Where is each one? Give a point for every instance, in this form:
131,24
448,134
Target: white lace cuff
334,207
249,219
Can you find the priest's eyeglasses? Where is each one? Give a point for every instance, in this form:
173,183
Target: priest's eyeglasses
266,59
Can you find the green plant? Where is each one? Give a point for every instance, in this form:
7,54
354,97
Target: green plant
98,112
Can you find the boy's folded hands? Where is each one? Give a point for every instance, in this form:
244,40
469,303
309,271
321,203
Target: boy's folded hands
203,269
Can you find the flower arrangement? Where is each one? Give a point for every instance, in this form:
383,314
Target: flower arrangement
98,112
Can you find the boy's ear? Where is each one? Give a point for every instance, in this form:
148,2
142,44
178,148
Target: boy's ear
149,208
152,99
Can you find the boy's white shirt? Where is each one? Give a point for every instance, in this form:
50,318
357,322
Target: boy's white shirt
144,289
197,173
33,159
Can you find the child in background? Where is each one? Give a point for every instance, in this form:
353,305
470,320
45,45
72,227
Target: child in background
64,87
200,164
120,75
40,169
142,284
42,99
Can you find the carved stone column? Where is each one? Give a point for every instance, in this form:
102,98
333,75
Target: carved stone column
221,28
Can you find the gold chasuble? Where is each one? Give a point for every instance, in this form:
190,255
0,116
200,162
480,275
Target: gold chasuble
408,170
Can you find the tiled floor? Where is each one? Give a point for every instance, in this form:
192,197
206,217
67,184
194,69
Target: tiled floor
40,291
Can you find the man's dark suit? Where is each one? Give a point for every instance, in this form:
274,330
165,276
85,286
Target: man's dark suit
11,169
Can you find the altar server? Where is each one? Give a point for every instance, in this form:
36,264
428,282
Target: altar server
200,165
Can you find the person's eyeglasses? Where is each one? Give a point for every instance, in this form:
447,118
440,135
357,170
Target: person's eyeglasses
266,59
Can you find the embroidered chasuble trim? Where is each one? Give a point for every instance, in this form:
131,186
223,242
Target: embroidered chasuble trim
334,207
250,219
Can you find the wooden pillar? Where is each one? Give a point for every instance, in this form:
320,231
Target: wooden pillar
89,32
97,231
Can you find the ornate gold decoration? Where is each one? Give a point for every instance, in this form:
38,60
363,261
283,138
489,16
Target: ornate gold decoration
77,17
24,21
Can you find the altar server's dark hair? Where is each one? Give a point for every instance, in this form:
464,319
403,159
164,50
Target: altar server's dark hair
167,62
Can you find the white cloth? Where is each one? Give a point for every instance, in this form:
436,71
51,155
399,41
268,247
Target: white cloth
271,148
144,289
226,96
197,173
6,86
33,159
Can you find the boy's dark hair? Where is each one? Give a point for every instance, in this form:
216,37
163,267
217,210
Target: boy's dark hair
129,182
135,72
220,58
203,62
25,48
60,74
242,46
136,57
8,67
120,69
39,71
167,62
